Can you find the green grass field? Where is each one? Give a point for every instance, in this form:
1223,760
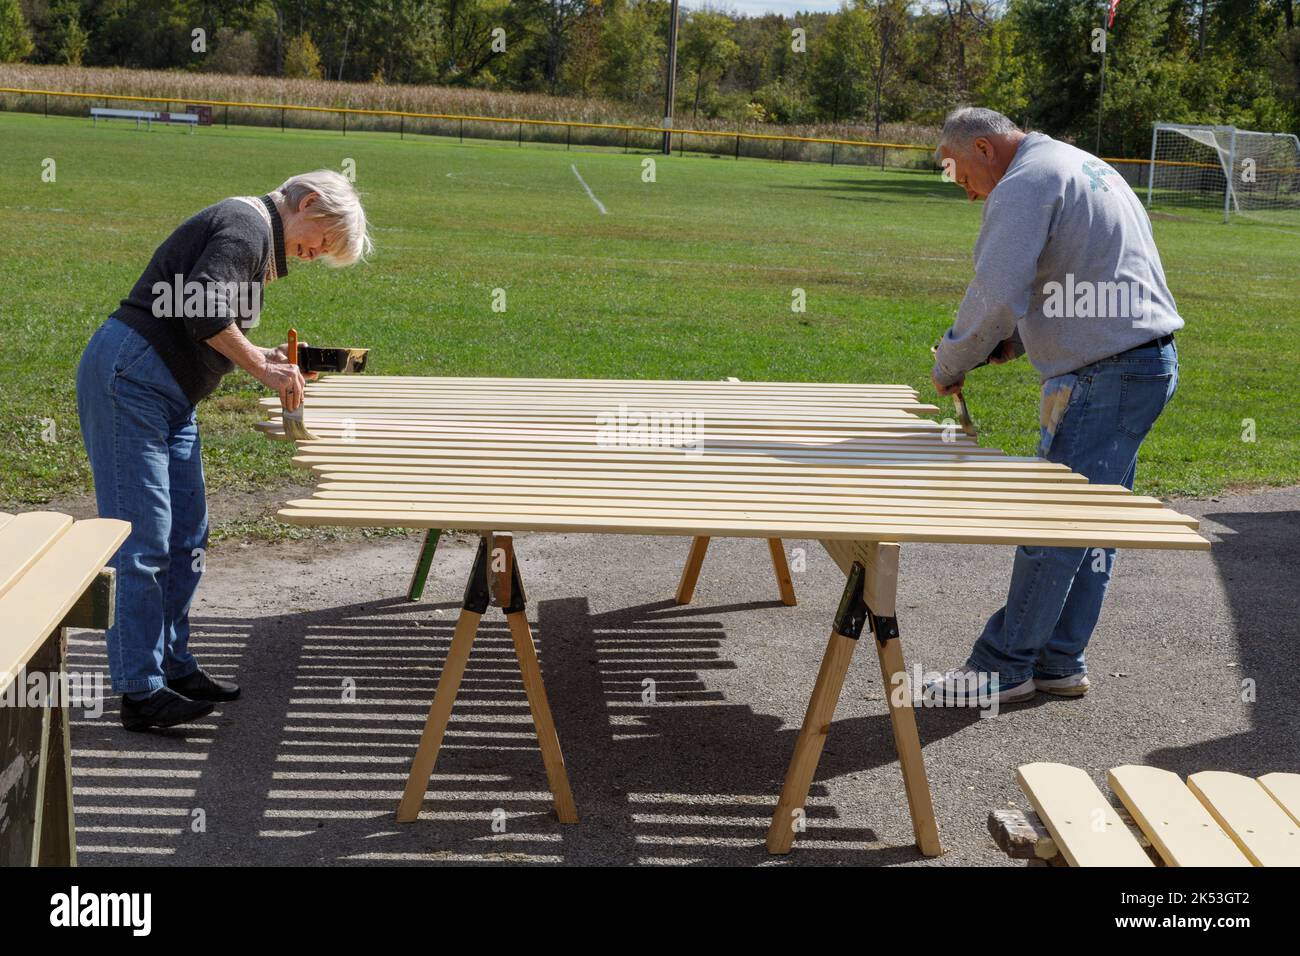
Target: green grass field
687,277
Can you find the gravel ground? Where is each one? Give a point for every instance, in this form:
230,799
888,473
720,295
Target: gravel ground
296,773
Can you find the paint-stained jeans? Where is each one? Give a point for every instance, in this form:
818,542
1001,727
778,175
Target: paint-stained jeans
142,439
1093,420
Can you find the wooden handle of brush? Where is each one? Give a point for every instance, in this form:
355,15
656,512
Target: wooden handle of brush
293,347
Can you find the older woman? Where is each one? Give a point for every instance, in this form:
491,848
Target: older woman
163,351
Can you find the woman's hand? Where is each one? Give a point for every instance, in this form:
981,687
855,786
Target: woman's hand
284,378
281,354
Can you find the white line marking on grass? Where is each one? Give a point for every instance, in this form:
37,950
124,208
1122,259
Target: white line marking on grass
590,195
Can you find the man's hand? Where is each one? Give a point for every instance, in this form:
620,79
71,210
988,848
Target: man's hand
1005,352
947,389
284,378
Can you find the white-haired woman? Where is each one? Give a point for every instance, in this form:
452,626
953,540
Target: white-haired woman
164,350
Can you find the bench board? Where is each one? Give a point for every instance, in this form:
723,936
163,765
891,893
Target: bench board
1256,822
1179,827
1084,825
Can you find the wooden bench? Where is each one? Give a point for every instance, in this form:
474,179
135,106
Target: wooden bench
98,113
52,577
1215,819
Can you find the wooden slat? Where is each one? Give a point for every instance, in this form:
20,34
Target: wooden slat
670,502
1257,824
398,486
35,604
848,474
510,381
904,449
1084,825
1179,827
754,513
1084,535
314,453
1284,788
24,539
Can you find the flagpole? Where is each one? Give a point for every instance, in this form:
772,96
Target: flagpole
1101,96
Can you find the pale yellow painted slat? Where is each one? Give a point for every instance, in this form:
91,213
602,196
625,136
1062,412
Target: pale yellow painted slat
1048,476
593,396
903,424
685,515
591,384
315,451
528,416
667,502
892,450
830,389
1284,788
1257,824
1009,487
604,401
482,433
1175,822
734,491
359,386
721,528
33,607
1084,825
24,539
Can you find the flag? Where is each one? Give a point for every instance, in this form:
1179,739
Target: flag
1110,14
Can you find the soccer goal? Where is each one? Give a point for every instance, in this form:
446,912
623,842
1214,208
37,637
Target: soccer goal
1242,172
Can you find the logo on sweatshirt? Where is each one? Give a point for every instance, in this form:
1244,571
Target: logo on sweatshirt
1097,171
1095,300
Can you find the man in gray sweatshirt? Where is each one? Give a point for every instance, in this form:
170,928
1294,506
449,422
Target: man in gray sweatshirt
1066,273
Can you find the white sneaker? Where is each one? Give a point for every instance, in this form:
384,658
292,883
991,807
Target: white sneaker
967,687
1074,685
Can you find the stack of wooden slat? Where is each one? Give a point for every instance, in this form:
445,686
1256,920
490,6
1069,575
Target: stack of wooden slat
1215,819
754,459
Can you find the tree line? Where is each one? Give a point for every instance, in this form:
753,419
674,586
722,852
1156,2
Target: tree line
872,62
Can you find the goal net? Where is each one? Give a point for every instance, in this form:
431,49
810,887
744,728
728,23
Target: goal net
1235,171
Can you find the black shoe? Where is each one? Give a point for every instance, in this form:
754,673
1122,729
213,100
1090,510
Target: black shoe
199,686
165,708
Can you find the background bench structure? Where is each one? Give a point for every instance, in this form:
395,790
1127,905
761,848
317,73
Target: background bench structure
851,466
52,577
1214,819
149,117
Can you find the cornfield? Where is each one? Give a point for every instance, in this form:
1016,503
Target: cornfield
177,86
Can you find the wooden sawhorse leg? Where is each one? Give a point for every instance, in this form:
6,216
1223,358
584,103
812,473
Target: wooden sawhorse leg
868,601
695,559
495,574
422,564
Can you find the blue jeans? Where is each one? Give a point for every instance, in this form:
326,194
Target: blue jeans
142,438
1093,420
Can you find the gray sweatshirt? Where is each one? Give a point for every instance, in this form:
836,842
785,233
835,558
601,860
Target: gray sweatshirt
1065,263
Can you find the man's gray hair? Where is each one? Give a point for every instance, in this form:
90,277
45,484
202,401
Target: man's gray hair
347,234
965,125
